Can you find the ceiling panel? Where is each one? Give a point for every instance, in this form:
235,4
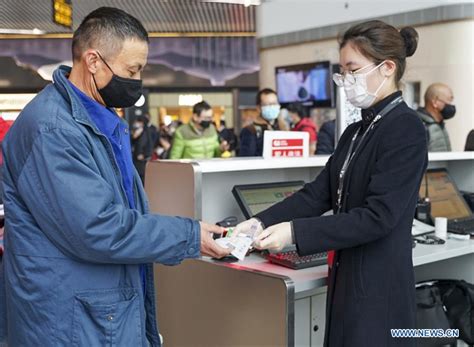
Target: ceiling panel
172,16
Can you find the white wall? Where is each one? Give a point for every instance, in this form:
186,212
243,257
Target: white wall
283,16
445,54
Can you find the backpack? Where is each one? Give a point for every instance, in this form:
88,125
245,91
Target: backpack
456,297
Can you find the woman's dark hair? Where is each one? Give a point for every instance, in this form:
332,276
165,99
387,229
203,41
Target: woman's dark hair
380,41
296,108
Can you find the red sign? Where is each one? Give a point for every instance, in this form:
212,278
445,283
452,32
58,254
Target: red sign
287,143
287,152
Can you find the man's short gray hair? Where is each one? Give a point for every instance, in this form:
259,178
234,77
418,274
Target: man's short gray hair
106,28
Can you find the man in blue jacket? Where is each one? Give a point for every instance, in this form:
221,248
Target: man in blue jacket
79,241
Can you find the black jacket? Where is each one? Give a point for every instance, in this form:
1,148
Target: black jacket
142,145
251,139
326,138
371,288
469,141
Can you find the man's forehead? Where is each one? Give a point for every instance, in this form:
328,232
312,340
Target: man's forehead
268,97
206,113
133,52
444,91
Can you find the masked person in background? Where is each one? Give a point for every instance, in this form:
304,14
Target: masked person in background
300,121
438,108
371,184
79,239
198,139
142,145
251,137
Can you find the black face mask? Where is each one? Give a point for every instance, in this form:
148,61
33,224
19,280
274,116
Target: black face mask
120,92
205,124
448,111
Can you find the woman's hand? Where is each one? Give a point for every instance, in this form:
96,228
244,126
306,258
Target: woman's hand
275,237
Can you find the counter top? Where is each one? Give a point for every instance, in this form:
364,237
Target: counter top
307,280
425,254
258,163
448,156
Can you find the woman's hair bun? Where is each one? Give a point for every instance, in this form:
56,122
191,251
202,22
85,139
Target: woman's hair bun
410,37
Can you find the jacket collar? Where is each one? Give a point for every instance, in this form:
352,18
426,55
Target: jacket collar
370,113
203,132
425,115
79,112
103,117
263,123
194,129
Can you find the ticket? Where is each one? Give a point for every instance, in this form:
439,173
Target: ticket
240,244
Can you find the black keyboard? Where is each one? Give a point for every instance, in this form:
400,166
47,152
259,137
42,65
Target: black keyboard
292,260
461,226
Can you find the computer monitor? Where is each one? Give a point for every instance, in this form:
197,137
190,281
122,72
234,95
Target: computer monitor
255,198
309,84
446,201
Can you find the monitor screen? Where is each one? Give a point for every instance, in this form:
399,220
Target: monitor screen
309,84
255,198
446,201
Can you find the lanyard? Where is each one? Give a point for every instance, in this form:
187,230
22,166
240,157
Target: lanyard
350,154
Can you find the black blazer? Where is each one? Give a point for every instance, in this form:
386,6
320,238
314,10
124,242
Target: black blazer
371,288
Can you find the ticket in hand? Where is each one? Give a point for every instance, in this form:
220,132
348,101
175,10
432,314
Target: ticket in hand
240,245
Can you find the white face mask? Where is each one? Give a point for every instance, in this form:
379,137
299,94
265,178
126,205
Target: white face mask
355,86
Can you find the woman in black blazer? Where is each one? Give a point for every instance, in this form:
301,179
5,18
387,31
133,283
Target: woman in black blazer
383,157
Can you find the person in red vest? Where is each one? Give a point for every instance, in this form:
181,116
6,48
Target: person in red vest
300,121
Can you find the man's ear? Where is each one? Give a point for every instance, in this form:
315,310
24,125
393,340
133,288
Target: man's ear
92,60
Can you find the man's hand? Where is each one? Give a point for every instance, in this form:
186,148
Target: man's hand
275,237
209,247
251,227
224,146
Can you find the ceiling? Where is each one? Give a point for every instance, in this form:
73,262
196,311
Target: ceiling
158,16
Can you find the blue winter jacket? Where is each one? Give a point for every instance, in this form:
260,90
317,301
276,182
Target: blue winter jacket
73,247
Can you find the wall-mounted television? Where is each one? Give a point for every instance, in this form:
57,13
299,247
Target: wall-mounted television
310,84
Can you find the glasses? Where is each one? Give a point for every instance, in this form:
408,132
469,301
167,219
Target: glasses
350,77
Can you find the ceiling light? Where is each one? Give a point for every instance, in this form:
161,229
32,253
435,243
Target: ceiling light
246,3
35,31
189,99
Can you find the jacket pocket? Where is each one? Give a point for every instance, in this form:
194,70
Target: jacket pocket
107,317
357,275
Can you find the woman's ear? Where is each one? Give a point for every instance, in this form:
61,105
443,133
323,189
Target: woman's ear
388,68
